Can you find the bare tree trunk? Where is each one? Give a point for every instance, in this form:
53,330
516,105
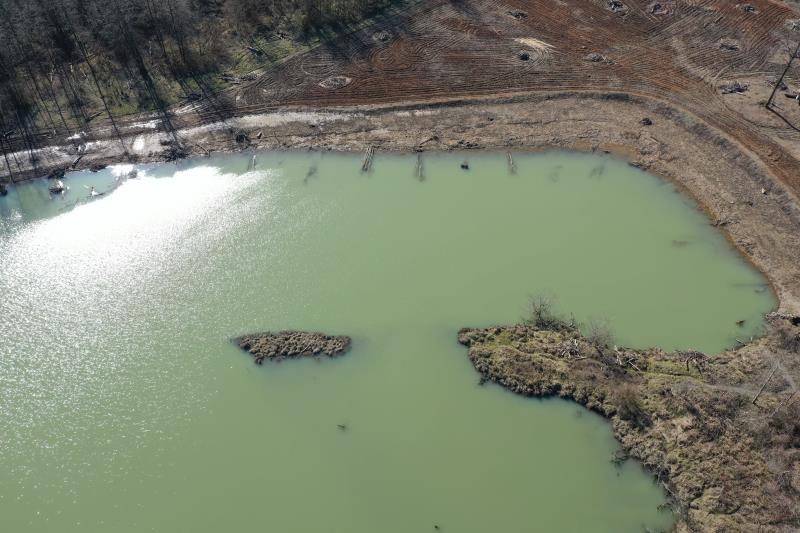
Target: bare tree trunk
780,80
55,101
75,101
39,103
765,383
31,75
177,35
3,148
99,89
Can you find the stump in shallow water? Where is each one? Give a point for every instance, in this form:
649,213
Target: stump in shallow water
277,346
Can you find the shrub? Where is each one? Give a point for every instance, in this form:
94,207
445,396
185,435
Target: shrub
600,334
541,313
788,338
630,408
785,423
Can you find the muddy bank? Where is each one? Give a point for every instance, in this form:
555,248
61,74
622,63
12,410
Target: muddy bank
754,209
722,433
292,344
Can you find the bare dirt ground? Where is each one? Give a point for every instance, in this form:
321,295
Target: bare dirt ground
669,50
679,52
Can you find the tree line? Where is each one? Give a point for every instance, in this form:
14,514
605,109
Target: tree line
65,62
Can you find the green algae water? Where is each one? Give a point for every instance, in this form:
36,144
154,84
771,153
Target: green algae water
126,407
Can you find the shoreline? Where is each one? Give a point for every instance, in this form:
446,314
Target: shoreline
758,214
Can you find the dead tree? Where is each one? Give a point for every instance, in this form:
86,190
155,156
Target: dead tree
764,385
699,359
779,81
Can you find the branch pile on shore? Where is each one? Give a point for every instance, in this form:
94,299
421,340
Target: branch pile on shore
291,344
722,433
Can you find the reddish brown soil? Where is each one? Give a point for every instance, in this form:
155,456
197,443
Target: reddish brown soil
675,51
739,160
444,49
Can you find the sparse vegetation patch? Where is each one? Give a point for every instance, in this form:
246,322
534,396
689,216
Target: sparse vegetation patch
722,433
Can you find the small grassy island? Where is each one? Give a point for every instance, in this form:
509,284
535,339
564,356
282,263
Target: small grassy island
722,432
292,344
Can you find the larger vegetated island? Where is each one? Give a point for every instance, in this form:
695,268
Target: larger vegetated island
726,447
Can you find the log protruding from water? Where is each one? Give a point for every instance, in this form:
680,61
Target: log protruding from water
366,163
292,344
512,167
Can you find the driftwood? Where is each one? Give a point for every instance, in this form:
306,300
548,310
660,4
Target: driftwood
626,359
429,139
699,359
570,349
203,148
764,385
786,403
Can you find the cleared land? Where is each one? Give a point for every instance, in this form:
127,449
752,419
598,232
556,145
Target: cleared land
680,52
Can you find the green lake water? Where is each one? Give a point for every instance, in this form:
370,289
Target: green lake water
126,408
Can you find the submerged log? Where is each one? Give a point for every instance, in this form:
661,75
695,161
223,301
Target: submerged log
292,344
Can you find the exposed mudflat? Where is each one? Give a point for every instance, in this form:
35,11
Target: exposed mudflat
755,209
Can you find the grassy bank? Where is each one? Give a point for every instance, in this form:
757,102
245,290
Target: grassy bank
722,432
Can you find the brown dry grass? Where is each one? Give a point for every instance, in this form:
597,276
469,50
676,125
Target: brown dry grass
728,462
